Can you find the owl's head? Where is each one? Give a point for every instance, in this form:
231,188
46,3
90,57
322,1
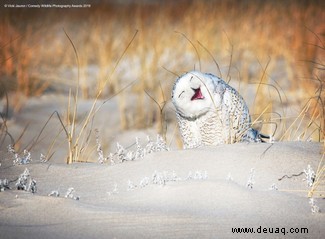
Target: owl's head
193,94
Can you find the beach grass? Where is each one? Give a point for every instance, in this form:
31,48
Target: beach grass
274,59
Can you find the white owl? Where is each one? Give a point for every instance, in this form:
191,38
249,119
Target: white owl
210,112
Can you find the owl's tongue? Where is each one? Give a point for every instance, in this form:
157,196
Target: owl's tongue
197,94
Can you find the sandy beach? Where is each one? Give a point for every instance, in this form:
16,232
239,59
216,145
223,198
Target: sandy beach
90,145
173,194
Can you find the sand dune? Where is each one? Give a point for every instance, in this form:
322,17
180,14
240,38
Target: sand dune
199,193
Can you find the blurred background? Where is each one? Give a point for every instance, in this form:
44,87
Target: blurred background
272,52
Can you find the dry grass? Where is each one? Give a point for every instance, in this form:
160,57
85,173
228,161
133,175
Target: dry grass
260,49
319,182
276,61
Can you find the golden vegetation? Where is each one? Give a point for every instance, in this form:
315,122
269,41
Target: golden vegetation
271,50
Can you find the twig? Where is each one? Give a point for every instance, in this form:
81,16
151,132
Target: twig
214,60
197,53
293,175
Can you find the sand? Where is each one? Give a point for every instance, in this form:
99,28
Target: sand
207,192
197,193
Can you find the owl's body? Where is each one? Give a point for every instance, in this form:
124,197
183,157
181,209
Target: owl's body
210,112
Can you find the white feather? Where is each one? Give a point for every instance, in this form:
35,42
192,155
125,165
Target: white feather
209,111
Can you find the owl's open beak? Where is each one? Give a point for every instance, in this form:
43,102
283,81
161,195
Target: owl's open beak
197,94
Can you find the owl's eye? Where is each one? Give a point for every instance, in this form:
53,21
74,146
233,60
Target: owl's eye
181,94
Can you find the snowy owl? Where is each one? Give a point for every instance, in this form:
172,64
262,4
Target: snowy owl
210,112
